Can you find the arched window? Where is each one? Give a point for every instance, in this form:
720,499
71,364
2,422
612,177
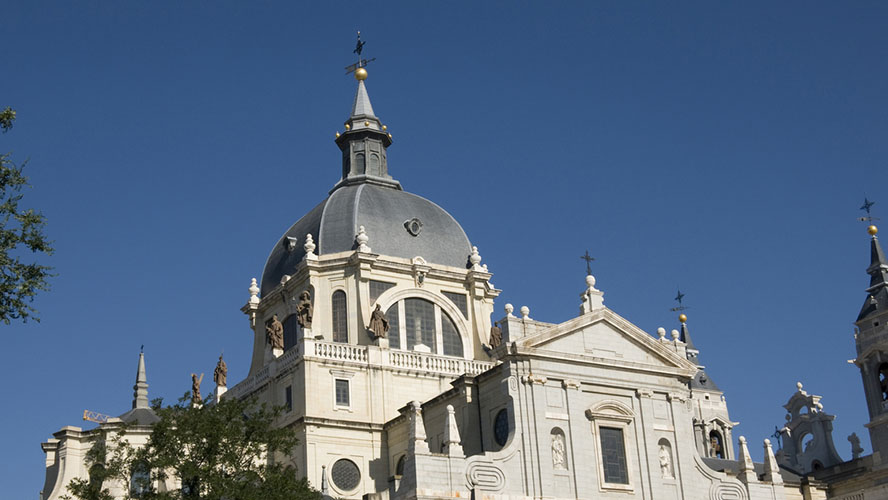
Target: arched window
394,319
374,164
340,317
883,380
417,324
360,168
716,445
291,332
452,342
399,469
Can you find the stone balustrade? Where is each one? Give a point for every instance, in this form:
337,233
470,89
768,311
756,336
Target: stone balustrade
377,357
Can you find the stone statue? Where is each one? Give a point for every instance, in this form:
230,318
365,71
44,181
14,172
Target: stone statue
274,333
195,389
304,310
715,447
379,325
220,375
665,461
558,460
496,336
856,449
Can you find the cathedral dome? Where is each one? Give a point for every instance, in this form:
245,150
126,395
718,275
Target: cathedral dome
398,223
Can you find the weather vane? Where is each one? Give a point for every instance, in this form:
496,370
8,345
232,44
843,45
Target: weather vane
588,258
867,207
678,298
359,49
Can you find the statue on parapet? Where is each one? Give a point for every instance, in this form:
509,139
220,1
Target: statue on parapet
195,389
304,310
496,335
379,325
274,333
220,374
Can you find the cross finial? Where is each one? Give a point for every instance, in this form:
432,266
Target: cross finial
678,298
867,207
588,258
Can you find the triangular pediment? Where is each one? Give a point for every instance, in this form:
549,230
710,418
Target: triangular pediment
605,335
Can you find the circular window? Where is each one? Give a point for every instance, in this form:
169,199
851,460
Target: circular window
414,226
345,474
501,427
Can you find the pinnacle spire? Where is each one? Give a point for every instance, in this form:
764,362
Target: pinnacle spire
362,107
140,390
364,143
877,292
878,269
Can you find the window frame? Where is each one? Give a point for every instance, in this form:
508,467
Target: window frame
336,403
442,305
614,415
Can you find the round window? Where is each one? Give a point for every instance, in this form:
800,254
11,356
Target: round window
345,474
501,428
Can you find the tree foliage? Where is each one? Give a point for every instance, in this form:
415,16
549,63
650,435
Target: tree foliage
21,233
215,452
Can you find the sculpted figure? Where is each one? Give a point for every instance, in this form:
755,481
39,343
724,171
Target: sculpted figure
558,451
195,388
856,449
379,325
274,333
496,336
220,375
715,446
665,461
304,310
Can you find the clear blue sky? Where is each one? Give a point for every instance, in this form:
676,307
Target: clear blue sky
721,148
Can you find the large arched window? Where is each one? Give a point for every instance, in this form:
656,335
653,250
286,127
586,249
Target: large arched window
417,324
340,317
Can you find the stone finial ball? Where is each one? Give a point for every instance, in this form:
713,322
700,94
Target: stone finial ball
590,281
675,334
682,317
509,308
767,442
661,332
360,74
872,230
525,311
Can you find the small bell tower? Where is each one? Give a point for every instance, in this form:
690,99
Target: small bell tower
871,339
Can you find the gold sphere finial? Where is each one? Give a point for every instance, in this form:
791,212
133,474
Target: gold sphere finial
360,74
683,317
872,230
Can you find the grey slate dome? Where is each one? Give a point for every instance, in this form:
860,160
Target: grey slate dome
385,212
399,224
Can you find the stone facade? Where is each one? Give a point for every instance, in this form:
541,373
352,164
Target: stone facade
447,404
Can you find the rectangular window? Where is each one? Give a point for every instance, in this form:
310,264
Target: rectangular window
377,287
613,456
459,300
288,398
342,398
